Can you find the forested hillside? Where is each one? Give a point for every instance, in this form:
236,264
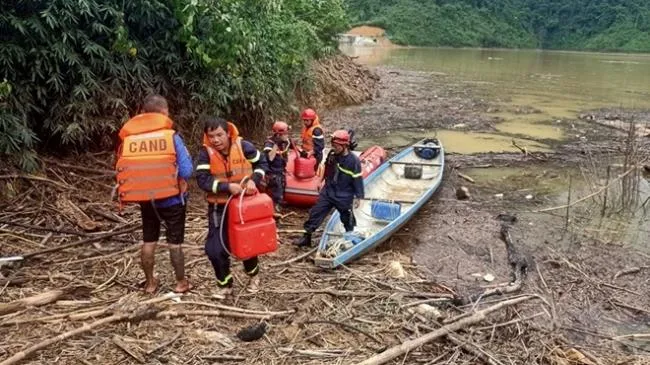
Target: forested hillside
72,71
621,25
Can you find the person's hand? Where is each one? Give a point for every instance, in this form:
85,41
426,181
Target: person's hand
356,203
250,187
234,189
321,185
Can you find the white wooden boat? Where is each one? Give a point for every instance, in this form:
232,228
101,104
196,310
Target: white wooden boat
393,194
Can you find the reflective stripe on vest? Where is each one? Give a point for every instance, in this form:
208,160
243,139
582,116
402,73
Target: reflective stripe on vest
348,172
231,169
146,166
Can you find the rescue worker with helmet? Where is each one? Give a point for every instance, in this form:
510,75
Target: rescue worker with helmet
276,150
227,165
153,167
343,182
313,138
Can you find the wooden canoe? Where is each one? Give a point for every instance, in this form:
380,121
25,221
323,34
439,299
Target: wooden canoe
387,184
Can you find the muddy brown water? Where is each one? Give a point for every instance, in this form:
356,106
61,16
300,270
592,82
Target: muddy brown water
532,91
477,102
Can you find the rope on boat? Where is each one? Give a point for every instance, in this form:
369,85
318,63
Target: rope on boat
340,245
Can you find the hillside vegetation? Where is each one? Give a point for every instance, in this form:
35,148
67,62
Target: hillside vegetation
72,71
605,25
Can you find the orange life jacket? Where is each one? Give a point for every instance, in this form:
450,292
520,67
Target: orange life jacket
232,168
308,135
146,162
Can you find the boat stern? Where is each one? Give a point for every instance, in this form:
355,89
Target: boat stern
324,262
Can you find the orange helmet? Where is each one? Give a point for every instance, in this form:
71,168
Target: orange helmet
308,114
341,137
280,127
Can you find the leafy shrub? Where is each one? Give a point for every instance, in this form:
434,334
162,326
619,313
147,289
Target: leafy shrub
76,69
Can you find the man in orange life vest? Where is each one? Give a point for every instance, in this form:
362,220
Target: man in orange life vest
313,139
152,169
276,150
227,165
343,183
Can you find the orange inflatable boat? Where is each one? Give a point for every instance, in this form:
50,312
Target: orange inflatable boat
304,192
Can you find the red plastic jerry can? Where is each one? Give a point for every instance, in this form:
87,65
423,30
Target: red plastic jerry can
251,229
304,168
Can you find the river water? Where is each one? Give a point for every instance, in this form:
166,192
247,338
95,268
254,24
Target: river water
557,84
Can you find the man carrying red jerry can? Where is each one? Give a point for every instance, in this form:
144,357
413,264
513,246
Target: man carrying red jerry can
153,166
343,183
276,149
227,166
313,138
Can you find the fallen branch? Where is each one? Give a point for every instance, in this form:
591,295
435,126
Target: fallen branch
240,310
628,271
350,327
297,258
474,349
632,336
223,358
215,313
630,307
466,178
166,343
80,168
313,353
86,313
47,229
349,293
37,178
119,343
83,329
410,345
524,150
81,242
519,264
35,301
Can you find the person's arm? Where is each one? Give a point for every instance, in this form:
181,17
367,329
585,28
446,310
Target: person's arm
204,178
358,179
318,139
183,158
270,150
257,160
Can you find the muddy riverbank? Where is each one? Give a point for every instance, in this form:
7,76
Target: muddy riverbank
589,283
458,242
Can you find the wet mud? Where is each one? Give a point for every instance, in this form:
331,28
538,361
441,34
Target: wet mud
458,241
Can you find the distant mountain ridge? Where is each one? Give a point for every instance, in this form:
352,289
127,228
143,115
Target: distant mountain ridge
603,25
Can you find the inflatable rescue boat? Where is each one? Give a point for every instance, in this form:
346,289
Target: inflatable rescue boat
302,188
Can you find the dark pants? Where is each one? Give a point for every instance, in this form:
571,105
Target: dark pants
174,218
215,250
276,185
324,206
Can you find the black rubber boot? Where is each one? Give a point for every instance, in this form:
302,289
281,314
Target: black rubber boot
304,241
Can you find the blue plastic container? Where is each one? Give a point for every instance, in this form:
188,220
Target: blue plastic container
353,237
387,211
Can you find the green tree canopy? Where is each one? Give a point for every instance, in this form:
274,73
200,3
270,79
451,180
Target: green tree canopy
73,70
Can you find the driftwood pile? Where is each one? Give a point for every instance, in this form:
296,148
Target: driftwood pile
71,295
